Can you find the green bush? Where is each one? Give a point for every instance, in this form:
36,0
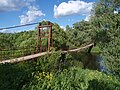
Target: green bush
76,79
14,76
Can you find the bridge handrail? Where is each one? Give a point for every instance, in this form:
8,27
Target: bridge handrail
42,54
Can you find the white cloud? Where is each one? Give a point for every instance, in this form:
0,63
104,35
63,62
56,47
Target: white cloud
62,27
12,5
7,31
32,14
115,11
87,18
73,7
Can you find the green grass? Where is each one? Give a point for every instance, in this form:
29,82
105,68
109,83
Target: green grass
95,49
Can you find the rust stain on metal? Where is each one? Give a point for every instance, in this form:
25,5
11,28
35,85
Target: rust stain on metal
40,36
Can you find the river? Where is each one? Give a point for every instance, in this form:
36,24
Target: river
95,61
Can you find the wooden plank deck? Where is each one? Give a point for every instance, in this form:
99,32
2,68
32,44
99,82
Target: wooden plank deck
41,54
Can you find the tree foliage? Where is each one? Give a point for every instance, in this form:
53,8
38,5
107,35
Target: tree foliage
64,71
107,28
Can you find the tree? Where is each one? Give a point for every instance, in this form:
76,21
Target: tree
80,34
68,28
107,27
59,37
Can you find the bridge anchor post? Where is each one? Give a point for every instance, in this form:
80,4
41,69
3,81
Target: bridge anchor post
90,48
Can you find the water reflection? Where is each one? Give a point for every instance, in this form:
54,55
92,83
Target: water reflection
95,61
90,62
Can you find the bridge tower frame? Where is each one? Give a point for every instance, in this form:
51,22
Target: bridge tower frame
39,36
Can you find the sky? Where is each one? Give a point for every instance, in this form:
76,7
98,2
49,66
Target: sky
63,12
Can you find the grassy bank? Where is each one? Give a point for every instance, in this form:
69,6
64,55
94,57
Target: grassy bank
55,72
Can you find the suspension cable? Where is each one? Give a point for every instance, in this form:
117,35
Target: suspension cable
19,26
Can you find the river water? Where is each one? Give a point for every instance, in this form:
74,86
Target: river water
95,61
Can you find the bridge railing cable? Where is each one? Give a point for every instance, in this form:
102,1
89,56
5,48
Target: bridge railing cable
8,51
15,53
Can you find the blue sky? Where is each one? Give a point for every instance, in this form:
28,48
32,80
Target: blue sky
63,12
